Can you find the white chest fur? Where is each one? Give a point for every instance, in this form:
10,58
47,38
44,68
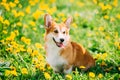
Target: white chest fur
53,57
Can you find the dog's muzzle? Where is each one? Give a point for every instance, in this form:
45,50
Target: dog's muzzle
59,44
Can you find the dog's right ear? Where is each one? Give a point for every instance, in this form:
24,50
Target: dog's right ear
47,20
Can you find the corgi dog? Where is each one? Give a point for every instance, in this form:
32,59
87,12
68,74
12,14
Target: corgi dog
61,53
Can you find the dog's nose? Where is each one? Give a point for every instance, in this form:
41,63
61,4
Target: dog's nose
62,40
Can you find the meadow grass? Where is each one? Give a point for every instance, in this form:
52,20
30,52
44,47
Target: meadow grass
96,25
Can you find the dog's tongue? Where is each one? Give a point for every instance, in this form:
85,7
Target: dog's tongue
60,45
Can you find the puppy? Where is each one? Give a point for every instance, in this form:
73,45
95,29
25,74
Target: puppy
61,53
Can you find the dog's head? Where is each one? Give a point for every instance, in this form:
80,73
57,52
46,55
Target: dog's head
57,34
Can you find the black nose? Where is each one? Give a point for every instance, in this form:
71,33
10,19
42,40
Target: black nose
61,39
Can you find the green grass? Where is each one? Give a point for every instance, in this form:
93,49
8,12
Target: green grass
96,25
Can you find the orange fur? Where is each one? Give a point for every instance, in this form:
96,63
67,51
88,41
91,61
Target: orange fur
76,55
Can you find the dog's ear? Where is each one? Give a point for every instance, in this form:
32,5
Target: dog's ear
47,20
68,21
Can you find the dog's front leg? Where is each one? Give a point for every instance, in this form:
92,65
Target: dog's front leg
67,69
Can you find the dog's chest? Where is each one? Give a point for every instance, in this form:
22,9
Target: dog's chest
53,57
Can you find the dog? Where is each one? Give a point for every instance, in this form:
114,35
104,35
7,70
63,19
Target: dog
62,54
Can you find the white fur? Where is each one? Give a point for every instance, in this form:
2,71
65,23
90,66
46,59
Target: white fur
53,55
61,35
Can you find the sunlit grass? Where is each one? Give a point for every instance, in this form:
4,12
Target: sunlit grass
95,25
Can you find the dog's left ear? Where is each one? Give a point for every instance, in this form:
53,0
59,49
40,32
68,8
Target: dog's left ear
68,21
47,20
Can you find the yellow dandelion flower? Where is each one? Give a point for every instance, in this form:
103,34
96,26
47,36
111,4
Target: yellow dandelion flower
4,1
16,32
100,75
106,17
32,23
16,1
7,7
77,14
9,49
29,50
101,28
42,64
37,65
52,1
119,68
115,3
108,6
51,10
6,22
104,56
21,13
68,76
34,29
7,72
74,25
34,61
81,4
27,10
107,37
3,41
12,36
119,46
34,53
19,5
63,18
12,67
21,48
61,14
82,67
13,72
40,57
47,75
56,19
32,3
38,45
24,71
42,68
12,5
14,11
118,16
95,1
71,1
112,19
25,26
91,74
19,24
43,6
1,19
25,40
4,31
28,41
103,7
116,43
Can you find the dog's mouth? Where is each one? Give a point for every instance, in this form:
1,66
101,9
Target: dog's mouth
59,44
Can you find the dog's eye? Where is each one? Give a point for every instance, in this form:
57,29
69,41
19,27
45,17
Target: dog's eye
64,32
56,31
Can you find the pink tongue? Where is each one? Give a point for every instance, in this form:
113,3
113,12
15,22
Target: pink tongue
60,44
